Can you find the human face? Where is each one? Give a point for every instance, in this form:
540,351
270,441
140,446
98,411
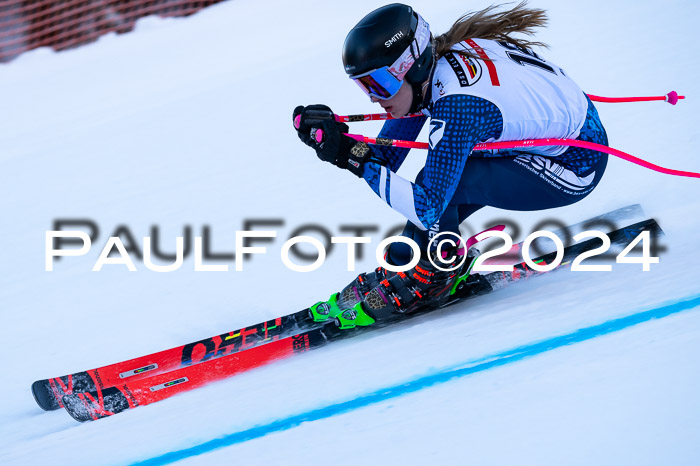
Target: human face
399,105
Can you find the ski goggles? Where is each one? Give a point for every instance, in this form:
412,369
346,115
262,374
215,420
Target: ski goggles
385,82
379,83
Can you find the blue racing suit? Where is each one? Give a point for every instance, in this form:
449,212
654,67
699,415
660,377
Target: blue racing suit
456,182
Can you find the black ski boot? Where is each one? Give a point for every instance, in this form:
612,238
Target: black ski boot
349,299
382,294
420,288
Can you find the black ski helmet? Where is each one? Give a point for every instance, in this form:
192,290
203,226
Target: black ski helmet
382,36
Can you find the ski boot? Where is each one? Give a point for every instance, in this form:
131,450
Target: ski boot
420,288
348,300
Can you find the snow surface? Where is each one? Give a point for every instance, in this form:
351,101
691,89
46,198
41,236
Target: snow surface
187,122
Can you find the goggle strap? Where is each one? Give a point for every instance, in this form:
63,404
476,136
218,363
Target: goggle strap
415,53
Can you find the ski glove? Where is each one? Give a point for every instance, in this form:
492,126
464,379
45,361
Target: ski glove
304,118
335,147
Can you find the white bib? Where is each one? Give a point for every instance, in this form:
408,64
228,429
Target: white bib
537,99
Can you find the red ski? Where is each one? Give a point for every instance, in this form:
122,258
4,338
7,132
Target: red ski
49,392
104,402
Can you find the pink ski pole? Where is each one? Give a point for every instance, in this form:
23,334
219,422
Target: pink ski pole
672,98
372,117
525,144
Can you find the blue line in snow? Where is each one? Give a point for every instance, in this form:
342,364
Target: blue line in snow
415,385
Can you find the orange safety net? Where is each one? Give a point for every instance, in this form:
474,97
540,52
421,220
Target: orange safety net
28,24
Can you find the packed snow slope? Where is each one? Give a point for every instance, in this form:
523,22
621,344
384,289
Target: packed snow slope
186,122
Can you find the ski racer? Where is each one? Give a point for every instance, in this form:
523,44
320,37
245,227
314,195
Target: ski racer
475,83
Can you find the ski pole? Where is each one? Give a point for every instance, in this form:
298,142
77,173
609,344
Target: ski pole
525,144
672,98
372,117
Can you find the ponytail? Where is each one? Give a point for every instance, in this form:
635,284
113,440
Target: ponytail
489,24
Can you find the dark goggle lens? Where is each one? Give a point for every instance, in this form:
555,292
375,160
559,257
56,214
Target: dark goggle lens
372,87
379,83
